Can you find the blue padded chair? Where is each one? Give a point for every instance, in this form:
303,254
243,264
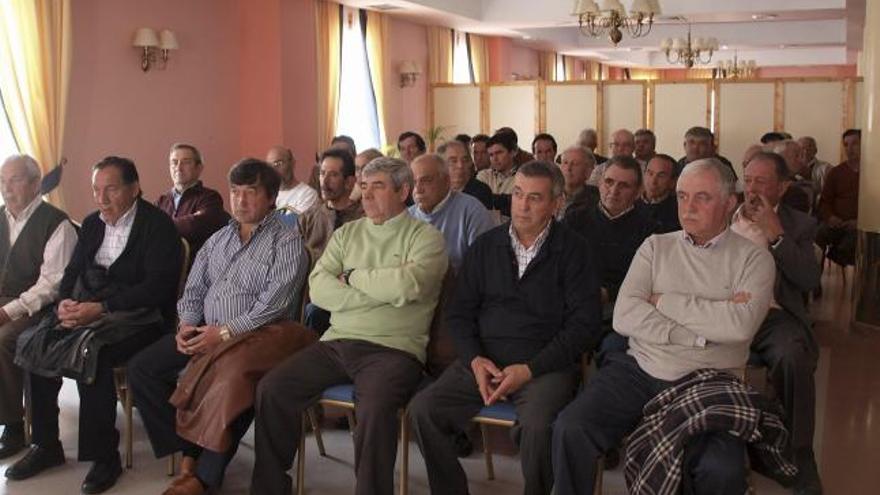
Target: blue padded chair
289,216
498,414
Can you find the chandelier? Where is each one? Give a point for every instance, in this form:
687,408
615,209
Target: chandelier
609,16
689,51
735,69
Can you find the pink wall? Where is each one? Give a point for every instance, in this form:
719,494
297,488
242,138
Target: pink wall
523,60
407,107
299,89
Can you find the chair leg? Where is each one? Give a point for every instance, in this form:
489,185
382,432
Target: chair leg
172,464
600,471
404,453
27,409
317,429
301,460
487,452
352,424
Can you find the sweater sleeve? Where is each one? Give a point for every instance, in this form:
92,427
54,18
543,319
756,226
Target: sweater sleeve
421,273
635,316
325,288
724,321
581,329
207,217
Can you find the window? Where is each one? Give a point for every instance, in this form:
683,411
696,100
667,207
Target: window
461,59
7,141
560,68
357,116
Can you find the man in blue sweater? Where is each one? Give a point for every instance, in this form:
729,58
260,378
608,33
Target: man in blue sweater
526,306
458,216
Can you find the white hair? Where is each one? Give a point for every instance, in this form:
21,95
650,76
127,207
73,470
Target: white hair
30,165
726,179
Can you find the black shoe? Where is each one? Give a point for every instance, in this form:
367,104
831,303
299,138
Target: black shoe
37,460
12,440
463,445
807,482
102,476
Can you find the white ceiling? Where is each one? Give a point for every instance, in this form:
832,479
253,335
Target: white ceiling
799,32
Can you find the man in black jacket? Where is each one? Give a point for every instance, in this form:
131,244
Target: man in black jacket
125,268
658,198
525,308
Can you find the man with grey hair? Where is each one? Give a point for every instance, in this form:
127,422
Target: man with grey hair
458,216
623,143
380,278
691,300
294,194
36,242
699,143
526,306
589,139
577,165
461,172
800,194
815,169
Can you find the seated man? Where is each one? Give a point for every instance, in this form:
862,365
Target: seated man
577,166
231,332
461,172
799,194
196,211
699,143
658,199
118,295
785,341
458,216
36,241
544,148
815,169
380,278
499,177
839,204
645,146
623,143
410,145
480,152
589,139
614,227
525,308
293,194
520,156
691,300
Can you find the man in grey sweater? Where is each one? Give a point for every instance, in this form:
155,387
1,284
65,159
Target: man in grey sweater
691,300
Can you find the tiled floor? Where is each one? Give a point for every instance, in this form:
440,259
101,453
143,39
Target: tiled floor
847,436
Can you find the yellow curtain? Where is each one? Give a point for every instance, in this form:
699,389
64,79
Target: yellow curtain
377,43
547,66
329,44
479,57
439,54
570,74
35,40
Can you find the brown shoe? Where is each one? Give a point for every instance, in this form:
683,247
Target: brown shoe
189,485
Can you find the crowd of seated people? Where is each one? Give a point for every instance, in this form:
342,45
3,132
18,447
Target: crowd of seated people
654,267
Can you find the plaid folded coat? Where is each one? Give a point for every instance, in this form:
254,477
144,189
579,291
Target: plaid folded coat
704,401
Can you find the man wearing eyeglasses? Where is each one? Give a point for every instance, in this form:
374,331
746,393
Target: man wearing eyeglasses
294,194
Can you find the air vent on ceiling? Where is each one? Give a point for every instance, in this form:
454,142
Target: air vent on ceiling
384,7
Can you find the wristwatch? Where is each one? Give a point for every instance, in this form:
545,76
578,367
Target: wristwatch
346,275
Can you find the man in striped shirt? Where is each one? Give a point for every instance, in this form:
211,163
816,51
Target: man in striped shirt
243,280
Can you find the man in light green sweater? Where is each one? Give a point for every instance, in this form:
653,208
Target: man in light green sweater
692,299
380,278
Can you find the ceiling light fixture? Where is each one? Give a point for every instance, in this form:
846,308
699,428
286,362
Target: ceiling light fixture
689,51
609,16
736,68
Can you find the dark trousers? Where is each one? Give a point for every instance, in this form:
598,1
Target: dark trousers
787,347
152,376
447,406
98,437
608,409
11,378
841,241
384,379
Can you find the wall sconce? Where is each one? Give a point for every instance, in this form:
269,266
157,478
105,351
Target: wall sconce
150,42
409,72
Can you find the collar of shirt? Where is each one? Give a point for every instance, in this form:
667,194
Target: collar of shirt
650,201
712,242
539,241
439,206
25,213
126,219
503,175
608,214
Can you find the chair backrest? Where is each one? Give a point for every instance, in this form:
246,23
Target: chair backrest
289,216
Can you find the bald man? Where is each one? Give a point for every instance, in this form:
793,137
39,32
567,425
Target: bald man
294,194
623,143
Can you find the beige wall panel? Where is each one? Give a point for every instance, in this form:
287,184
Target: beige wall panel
514,106
677,108
624,108
457,108
745,112
570,109
816,109
861,114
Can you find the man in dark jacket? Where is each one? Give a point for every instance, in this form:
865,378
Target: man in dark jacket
658,198
196,210
125,269
785,341
525,308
